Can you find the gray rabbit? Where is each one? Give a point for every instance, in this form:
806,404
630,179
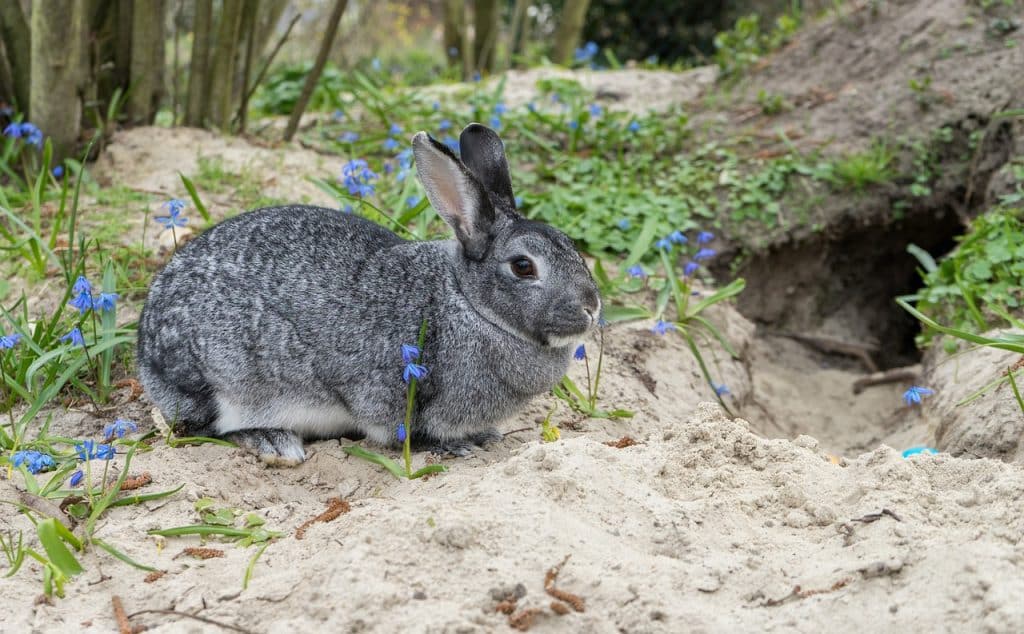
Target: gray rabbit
287,323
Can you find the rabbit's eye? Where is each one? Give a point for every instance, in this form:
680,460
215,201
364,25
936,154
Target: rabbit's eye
523,267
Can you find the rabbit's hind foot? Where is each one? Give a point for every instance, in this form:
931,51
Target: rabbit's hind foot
463,448
275,447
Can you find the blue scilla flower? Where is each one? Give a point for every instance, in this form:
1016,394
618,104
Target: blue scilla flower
27,131
405,158
375,63
677,237
76,478
451,143
347,209
13,130
338,115
690,268
586,52
636,271
58,171
400,432
476,75
388,168
518,200
661,327
410,353
704,254
595,110
444,125
34,461
436,105
89,450
913,395
500,108
83,302
574,124
495,122
395,129
412,201
581,353
82,285
532,107
105,302
453,51
9,341
349,137
634,126
722,389
390,145
119,428
75,337
358,178
173,217
704,237
663,244
414,371
623,224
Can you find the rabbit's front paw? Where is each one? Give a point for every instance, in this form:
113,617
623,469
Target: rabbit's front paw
464,448
276,447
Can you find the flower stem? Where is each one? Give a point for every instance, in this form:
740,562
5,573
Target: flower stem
600,359
410,400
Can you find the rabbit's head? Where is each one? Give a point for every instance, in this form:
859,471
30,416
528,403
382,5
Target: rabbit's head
522,276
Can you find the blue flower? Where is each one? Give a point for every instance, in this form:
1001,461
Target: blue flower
405,158
57,171
677,237
82,285
410,353
388,168
452,143
88,450
623,224
913,395
722,390
83,302
414,371
75,337
663,244
31,134
119,428
636,271
444,126
518,200
586,52
375,63
634,126
704,237
34,461
105,302
437,106
357,178
347,209
390,145
412,201
595,110
495,122
500,108
173,217
76,478
690,268
13,130
661,327
400,432
476,75
703,254
453,51
338,115
9,341
532,107
349,137
574,124
581,353
395,129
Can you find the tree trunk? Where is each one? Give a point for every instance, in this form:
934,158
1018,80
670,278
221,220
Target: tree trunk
123,45
515,45
318,67
222,77
147,61
266,23
58,44
249,31
454,39
570,27
485,36
198,97
14,30
6,80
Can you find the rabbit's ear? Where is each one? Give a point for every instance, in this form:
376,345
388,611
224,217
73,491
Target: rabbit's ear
455,193
484,154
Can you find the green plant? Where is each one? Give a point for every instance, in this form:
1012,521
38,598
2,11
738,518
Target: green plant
585,402
859,170
280,91
740,48
771,104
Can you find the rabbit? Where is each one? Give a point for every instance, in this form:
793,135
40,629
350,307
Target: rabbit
286,324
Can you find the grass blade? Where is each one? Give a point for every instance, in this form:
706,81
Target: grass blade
376,458
194,195
120,555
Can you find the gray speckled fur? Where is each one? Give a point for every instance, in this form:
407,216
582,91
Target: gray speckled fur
286,323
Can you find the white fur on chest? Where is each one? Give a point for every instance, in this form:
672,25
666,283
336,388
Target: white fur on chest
308,421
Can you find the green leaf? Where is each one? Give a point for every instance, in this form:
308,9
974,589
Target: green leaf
52,535
120,555
145,497
191,188
923,257
376,458
430,468
643,242
613,313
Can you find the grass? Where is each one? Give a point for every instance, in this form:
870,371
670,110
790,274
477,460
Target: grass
862,169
